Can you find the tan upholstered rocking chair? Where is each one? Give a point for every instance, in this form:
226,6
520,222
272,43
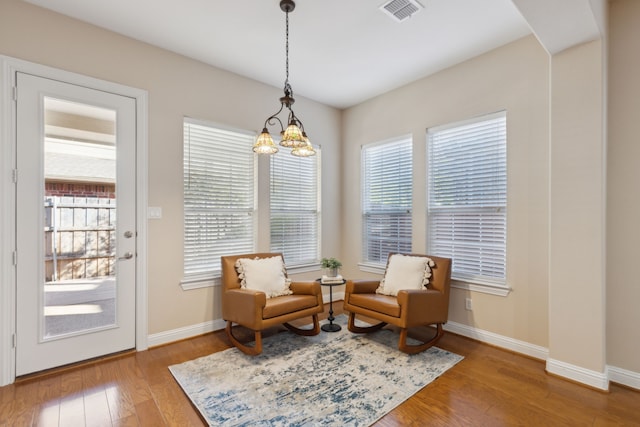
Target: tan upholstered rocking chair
261,304
419,306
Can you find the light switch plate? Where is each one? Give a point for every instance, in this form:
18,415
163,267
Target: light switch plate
154,212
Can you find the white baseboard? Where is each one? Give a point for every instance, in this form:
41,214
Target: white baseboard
579,374
501,341
588,377
167,337
624,377
185,332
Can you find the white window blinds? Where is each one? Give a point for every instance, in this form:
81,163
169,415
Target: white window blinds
386,199
467,200
219,180
295,207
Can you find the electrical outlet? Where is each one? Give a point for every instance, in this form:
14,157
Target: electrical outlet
468,304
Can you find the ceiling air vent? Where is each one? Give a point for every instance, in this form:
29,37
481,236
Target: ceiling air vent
401,9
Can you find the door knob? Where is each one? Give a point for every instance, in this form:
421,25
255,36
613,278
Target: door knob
128,234
127,255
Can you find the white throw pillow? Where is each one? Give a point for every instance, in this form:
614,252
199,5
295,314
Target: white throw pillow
264,274
405,272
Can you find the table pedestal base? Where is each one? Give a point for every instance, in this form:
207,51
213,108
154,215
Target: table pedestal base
330,327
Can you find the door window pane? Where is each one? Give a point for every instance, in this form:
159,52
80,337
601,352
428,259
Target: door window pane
79,217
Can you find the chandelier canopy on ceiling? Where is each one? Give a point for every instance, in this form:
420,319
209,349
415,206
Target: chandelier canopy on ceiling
293,136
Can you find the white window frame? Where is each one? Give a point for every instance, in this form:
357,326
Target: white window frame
399,180
285,199
230,145
482,264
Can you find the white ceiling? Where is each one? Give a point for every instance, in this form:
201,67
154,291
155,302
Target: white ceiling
342,52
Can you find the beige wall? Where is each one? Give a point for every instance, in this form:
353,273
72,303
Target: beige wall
177,87
512,78
577,209
623,194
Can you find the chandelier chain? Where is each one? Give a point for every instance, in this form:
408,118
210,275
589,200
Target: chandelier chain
286,81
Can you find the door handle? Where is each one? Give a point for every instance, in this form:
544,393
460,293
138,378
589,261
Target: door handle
127,255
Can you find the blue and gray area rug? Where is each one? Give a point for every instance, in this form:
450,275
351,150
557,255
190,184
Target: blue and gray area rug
332,379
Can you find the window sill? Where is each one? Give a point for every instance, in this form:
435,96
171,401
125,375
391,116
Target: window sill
303,268
370,267
199,282
484,288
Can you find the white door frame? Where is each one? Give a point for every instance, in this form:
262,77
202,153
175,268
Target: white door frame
8,68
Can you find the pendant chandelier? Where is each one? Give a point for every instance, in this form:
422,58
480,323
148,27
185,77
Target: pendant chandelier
293,136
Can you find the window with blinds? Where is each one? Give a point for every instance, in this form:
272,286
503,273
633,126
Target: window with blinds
467,197
387,185
219,182
295,207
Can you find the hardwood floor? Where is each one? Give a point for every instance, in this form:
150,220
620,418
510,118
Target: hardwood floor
490,387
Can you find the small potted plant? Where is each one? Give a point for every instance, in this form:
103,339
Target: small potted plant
332,265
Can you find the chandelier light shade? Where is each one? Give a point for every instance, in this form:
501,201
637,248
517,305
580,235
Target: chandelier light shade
264,143
305,150
293,136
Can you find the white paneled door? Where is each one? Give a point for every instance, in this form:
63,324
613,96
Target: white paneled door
76,223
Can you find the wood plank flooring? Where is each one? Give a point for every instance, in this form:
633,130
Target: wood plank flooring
490,387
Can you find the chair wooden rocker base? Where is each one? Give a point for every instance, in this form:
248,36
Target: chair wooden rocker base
249,306
257,346
402,340
418,305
